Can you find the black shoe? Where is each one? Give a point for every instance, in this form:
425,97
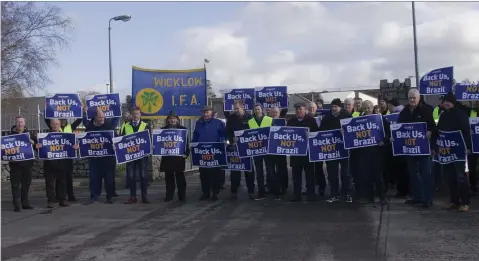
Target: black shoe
349,199
168,199
204,197
321,193
233,196
426,205
260,197
72,198
109,201
311,199
251,196
27,207
145,200
182,199
17,209
115,195
63,204
412,202
296,199
304,193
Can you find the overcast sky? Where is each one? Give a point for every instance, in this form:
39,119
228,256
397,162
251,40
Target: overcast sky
306,46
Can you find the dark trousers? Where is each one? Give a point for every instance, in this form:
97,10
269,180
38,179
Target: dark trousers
210,181
20,180
175,180
235,178
333,177
371,175
222,178
354,168
68,184
280,167
458,183
319,176
137,168
55,178
400,174
437,174
387,168
298,164
259,170
101,171
472,166
421,180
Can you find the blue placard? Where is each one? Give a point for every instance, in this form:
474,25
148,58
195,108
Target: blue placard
169,142
56,145
438,81
17,147
95,144
63,106
157,92
362,131
289,141
450,147
246,95
252,142
208,154
327,145
109,103
392,118
272,96
410,139
467,92
474,123
279,122
132,147
322,112
234,162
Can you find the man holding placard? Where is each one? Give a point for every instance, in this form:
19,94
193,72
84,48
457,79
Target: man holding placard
319,176
280,163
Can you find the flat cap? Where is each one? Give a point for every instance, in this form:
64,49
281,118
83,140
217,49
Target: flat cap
299,104
207,108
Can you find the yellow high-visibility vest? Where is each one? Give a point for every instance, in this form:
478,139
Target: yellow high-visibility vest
265,122
129,128
436,114
67,128
122,127
473,114
356,114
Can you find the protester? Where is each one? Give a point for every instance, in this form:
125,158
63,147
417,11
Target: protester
436,167
372,164
101,169
138,166
452,119
472,159
358,102
223,172
67,128
280,163
396,107
376,109
319,104
383,105
320,179
21,171
349,105
300,163
174,166
419,168
126,117
260,120
398,169
55,171
354,164
209,129
332,122
235,122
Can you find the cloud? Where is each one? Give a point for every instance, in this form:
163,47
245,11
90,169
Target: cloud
316,46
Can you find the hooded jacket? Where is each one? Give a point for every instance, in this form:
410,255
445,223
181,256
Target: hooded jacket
330,122
25,163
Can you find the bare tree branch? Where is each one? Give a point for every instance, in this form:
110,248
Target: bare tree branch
32,34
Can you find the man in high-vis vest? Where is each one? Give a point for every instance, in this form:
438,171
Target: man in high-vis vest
472,159
126,117
260,120
68,128
357,107
383,105
139,166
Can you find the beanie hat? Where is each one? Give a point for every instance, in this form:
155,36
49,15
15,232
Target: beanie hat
336,102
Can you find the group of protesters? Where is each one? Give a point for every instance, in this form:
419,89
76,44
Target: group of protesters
366,175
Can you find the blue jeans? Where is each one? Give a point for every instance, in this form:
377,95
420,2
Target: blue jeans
421,180
134,168
101,169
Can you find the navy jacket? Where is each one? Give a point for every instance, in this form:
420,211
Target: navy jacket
212,130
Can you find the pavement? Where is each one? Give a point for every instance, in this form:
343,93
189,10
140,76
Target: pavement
235,230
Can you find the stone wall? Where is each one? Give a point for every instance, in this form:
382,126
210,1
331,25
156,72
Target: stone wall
80,169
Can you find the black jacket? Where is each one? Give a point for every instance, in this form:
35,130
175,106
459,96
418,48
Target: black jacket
174,163
451,120
421,113
330,122
234,123
307,121
25,163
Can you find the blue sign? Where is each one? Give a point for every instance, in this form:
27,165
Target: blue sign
474,122
327,145
438,81
272,96
362,131
17,147
291,141
467,92
109,103
279,122
322,112
410,139
56,145
132,147
157,92
245,95
450,147
234,162
95,144
253,142
392,118
63,106
208,154
169,142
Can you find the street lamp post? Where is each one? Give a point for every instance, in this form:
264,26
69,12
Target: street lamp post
124,18
415,44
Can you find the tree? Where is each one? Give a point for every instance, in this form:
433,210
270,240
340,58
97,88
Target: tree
209,90
32,34
84,94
